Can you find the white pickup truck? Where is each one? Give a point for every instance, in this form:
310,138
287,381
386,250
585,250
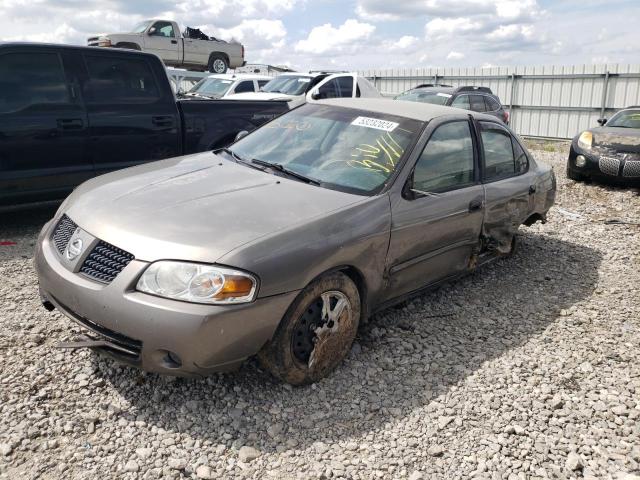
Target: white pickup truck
192,50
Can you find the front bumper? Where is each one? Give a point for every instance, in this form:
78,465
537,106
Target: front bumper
607,167
142,330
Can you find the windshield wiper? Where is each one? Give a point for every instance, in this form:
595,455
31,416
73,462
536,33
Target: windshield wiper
282,169
238,159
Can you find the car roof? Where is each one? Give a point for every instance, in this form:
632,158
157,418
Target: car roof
239,76
414,110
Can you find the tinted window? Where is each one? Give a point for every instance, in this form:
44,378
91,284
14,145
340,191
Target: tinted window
163,29
499,159
262,83
245,87
461,101
28,79
336,88
492,104
477,103
447,160
118,80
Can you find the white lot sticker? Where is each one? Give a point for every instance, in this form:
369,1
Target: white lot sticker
375,123
304,80
445,95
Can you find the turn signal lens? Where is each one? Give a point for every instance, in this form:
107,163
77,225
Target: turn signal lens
586,140
197,283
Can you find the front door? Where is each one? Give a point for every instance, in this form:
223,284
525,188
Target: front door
436,222
43,128
164,41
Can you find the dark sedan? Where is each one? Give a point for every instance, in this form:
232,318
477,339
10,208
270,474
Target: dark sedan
610,152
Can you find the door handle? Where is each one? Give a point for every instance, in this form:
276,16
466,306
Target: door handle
175,42
162,121
476,204
70,123
532,189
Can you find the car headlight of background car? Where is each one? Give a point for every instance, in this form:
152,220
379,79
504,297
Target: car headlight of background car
198,283
585,140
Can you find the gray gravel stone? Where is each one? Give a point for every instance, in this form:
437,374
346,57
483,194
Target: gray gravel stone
248,454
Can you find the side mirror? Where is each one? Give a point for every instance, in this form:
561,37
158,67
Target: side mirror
241,134
602,121
314,94
152,31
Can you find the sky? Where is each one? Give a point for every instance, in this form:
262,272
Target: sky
362,34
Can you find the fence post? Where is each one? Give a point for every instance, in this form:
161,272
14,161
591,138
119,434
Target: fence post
435,79
513,89
603,106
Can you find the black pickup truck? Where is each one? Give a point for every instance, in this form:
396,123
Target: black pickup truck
70,113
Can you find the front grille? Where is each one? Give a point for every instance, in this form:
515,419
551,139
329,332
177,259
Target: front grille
631,169
609,166
62,233
105,262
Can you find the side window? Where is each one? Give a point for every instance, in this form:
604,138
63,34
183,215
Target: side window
477,103
492,104
336,88
446,162
262,83
246,86
28,79
119,80
522,161
163,29
461,101
499,161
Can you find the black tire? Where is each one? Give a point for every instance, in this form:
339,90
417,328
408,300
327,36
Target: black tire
218,63
307,345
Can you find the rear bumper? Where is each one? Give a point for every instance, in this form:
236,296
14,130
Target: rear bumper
151,332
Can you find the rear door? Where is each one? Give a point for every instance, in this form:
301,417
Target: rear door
163,40
132,113
436,222
43,126
509,184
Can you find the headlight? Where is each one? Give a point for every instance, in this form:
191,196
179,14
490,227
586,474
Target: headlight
197,283
104,42
586,140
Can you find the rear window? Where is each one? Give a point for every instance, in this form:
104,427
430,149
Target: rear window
119,80
492,104
29,79
435,98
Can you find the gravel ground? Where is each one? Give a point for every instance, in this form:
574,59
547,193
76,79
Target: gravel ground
529,368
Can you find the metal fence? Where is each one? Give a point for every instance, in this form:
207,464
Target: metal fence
545,101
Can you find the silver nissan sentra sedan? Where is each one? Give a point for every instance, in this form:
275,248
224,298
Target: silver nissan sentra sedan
281,244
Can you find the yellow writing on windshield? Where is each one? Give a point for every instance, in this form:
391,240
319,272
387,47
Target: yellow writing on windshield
381,157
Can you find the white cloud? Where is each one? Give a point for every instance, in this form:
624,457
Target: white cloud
511,32
439,27
327,38
257,34
453,55
405,42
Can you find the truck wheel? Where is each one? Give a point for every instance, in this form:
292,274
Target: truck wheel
316,333
218,64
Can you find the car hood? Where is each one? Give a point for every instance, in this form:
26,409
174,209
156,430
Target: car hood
625,139
261,96
197,207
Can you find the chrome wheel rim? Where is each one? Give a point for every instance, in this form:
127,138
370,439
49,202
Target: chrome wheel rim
219,66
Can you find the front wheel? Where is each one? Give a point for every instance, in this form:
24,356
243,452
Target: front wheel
218,64
316,333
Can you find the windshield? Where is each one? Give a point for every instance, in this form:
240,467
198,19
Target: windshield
288,84
141,27
342,148
215,87
436,98
626,119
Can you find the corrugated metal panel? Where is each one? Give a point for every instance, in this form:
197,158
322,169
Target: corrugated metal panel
548,101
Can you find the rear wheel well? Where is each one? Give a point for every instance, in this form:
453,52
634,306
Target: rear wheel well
536,217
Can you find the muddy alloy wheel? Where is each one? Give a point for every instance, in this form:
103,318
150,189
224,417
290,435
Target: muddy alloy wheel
316,333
